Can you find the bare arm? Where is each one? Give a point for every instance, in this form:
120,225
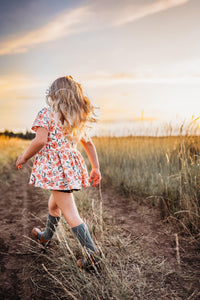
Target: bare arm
91,153
95,174
36,145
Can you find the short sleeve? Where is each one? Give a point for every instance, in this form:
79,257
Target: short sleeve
42,120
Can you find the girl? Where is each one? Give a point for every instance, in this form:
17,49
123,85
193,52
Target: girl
59,166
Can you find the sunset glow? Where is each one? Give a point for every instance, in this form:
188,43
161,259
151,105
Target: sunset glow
137,60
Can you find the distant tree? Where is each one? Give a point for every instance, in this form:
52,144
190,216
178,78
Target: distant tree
26,136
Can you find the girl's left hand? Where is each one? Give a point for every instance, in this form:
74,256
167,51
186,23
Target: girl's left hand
20,161
95,176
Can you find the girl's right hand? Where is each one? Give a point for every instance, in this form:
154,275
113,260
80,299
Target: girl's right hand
20,161
95,175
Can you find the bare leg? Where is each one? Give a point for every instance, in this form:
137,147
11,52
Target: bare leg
51,223
65,202
67,205
54,210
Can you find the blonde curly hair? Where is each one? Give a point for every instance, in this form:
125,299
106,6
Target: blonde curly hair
75,111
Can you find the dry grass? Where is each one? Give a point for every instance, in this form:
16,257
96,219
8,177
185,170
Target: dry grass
10,148
127,271
163,170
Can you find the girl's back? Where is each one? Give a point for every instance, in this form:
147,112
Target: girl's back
46,118
58,165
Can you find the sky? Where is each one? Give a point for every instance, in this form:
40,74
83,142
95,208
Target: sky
138,60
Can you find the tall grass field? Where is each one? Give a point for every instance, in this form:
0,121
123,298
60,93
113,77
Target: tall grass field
163,172
10,148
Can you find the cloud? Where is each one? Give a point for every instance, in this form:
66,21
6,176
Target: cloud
97,15
108,79
131,13
18,81
63,25
18,86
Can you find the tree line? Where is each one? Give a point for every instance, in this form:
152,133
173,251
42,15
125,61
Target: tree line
26,136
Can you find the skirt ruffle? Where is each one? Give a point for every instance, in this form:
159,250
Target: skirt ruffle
60,169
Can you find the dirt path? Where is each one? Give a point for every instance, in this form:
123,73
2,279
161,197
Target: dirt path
20,203
158,240
17,204
141,222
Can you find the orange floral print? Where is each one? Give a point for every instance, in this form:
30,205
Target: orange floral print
58,165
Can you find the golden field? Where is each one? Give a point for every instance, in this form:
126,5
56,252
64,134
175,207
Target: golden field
10,148
162,172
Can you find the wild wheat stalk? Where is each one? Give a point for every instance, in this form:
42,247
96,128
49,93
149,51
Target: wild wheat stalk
101,208
177,250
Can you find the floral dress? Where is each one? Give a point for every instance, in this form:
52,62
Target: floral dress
58,165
